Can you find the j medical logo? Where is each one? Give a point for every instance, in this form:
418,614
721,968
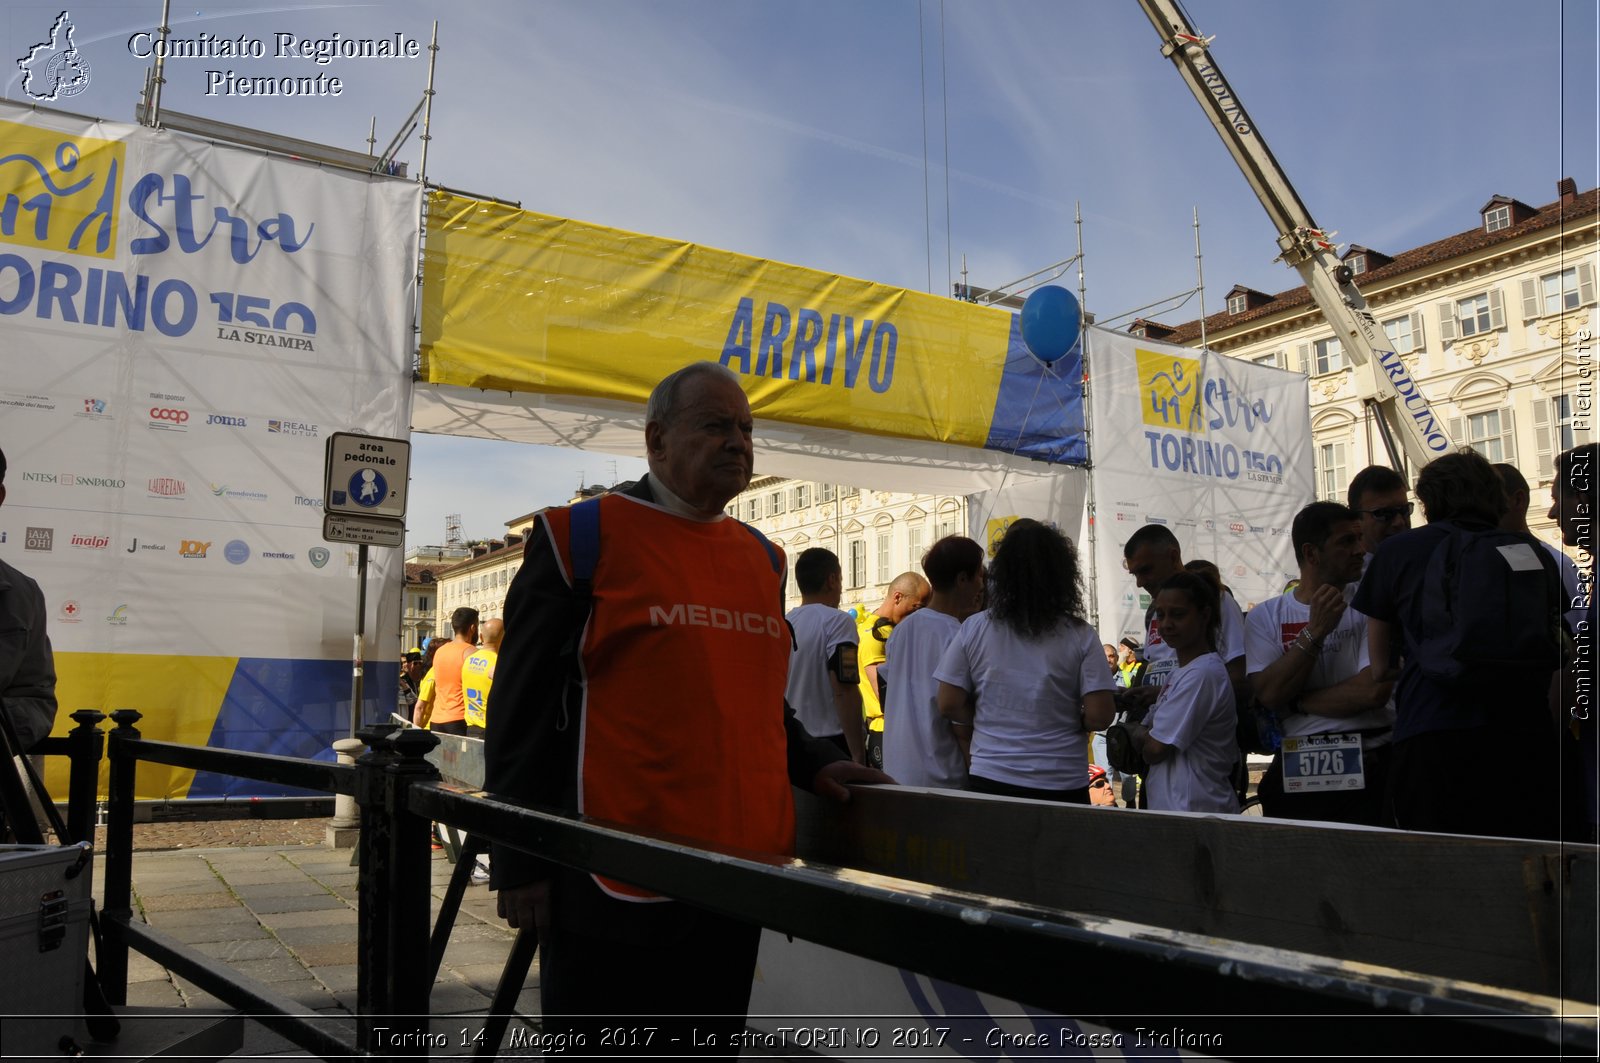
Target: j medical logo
54,69
1170,390
39,539
72,185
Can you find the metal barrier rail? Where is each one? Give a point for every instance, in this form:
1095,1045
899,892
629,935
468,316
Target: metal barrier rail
1035,956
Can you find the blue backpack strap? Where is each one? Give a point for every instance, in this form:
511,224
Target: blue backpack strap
584,543
772,551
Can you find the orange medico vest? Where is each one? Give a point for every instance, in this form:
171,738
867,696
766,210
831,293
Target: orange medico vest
684,659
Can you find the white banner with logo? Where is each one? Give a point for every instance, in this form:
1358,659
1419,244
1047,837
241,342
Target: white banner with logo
1217,449
184,325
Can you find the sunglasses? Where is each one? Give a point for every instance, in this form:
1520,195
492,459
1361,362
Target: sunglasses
1388,513
1098,784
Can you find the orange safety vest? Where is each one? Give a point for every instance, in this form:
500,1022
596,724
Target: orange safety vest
684,662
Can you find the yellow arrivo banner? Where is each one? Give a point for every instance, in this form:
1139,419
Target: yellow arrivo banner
523,302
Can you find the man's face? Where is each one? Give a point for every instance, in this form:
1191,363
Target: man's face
1573,511
1394,518
902,605
1111,657
1153,564
705,454
1339,559
413,669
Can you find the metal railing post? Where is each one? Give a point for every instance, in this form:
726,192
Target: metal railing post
392,981
87,744
118,905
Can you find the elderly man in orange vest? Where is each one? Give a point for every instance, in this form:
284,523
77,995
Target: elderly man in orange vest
675,723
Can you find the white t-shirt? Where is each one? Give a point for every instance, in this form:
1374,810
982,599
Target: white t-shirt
818,630
1194,715
1269,630
918,748
1030,696
1162,661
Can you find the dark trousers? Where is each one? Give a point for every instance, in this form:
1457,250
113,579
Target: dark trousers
611,972
454,727
1452,782
1076,796
1363,806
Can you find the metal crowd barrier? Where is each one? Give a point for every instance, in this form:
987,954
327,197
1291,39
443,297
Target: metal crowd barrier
1268,1001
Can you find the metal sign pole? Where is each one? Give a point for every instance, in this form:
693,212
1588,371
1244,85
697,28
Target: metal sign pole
358,660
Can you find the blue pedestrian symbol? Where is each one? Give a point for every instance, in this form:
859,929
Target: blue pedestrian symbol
368,488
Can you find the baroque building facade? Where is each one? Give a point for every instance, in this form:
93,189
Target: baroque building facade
1496,323
875,534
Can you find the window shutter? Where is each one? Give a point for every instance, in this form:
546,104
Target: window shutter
1508,432
1302,354
1530,299
1416,331
1497,310
1585,283
1458,432
1542,438
1447,322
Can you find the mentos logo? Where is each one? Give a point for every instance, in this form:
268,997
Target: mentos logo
169,418
72,188
193,548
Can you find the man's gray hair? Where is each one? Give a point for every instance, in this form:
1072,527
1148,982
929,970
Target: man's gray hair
663,402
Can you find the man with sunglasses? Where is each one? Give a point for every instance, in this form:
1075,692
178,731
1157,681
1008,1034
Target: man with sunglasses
1378,495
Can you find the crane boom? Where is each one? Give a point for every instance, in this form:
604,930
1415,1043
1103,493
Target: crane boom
1383,382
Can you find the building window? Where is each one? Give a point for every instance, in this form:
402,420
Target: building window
1238,304
915,533
732,510
1472,315
1489,433
774,503
1272,358
1559,290
849,492
802,496
422,604
858,562
1330,355
884,575
1333,472
1357,263
1400,333
946,525
1555,430
825,492
752,509
1497,219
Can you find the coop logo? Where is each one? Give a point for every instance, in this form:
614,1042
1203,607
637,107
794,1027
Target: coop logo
193,548
167,487
226,421
39,539
90,542
70,612
291,428
54,69
1236,527
237,552
169,418
118,617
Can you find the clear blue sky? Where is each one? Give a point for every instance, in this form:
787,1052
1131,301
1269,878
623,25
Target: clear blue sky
819,132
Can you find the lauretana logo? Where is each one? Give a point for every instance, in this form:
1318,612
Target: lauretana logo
167,487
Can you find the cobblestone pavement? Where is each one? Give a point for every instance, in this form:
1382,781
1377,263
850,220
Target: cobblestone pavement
267,897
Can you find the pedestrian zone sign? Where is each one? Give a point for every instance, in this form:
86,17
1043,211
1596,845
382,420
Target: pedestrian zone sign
367,476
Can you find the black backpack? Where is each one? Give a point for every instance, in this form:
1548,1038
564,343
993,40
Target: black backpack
1490,604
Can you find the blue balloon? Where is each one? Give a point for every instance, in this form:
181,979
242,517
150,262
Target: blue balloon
1051,320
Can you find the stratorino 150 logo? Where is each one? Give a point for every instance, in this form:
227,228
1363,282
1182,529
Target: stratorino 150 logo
71,184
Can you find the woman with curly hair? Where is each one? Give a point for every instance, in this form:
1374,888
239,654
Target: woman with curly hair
1025,681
